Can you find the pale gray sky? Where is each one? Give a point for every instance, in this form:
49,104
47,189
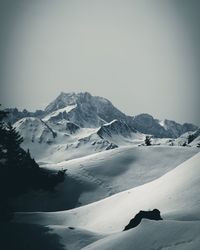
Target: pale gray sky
142,55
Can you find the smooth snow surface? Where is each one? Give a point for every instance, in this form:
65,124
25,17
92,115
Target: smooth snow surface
175,194
75,238
101,175
162,235
123,168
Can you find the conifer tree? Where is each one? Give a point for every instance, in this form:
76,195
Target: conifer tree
147,141
18,170
13,141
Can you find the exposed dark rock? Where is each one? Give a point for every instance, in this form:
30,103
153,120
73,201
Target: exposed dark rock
111,146
151,215
72,127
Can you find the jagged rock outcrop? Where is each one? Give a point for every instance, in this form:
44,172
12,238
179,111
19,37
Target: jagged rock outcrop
115,127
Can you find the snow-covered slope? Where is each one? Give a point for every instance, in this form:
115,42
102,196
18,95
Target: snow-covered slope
196,142
67,146
50,141
75,238
170,235
191,138
105,172
55,138
101,175
194,138
175,194
54,141
35,130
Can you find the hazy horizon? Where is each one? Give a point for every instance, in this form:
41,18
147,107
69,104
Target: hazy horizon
143,56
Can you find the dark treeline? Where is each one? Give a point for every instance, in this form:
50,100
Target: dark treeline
19,172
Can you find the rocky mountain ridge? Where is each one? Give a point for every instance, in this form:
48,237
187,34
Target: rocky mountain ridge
89,111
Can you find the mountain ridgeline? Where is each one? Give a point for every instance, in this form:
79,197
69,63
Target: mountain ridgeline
85,110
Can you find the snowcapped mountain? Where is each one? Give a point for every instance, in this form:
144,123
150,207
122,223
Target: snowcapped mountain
89,123
175,129
89,111
93,111
63,140
14,114
145,123
119,133
75,125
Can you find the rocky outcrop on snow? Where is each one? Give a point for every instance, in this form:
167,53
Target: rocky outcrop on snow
150,215
115,128
189,139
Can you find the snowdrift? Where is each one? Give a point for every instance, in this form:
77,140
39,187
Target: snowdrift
101,175
175,194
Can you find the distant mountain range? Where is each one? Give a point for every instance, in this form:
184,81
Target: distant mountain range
89,111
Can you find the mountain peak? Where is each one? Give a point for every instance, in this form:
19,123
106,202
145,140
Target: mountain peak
66,99
89,111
